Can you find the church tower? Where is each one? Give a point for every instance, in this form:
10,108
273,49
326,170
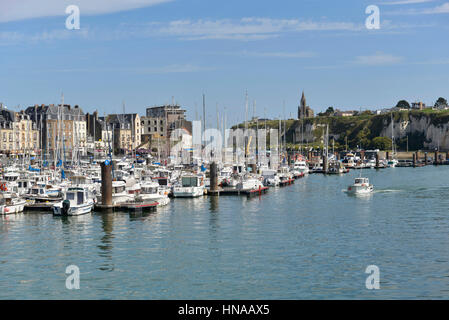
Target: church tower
304,111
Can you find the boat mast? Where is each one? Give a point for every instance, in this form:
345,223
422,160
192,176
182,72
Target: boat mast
204,126
392,135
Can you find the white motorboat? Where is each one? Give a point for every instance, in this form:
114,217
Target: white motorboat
360,186
11,203
336,167
350,160
77,201
40,193
249,184
150,191
191,186
270,177
301,166
392,163
120,194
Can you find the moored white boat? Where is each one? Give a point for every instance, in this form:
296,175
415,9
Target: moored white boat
191,186
11,203
77,201
150,191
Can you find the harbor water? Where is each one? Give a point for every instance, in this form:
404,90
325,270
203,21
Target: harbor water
306,241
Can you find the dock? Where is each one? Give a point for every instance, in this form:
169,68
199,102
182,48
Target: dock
286,182
130,207
39,207
234,192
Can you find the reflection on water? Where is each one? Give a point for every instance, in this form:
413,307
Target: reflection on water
309,240
106,242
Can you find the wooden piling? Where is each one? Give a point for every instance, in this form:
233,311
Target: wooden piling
414,160
425,158
106,183
435,159
377,160
213,178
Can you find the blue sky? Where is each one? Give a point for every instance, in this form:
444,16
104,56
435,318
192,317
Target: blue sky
144,52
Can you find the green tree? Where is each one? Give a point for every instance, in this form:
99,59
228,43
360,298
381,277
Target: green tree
330,111
362,138
403,104
441,103
381,143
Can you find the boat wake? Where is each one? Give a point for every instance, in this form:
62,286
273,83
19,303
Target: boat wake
387,191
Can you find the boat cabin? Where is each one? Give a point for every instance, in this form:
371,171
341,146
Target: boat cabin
11,176
152,188
76,196
190,181
118,187
361,181
238,168
161,181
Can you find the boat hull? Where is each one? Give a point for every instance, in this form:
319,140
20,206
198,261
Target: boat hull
73,211
360,189
13,208
190,192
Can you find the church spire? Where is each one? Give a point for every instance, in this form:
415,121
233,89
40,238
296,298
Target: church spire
303,100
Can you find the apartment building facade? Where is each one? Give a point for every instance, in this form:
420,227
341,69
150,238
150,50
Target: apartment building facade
63,128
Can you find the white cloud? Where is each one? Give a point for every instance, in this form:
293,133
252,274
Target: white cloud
186,68
175,68
12,37
441,9
297,55
12,10
246,28
444,8
378,59
406,2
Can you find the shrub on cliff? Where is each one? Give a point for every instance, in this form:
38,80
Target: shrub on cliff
381,143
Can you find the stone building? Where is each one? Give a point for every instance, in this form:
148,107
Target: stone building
63,128
161,121
126,131
304,111
18,133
